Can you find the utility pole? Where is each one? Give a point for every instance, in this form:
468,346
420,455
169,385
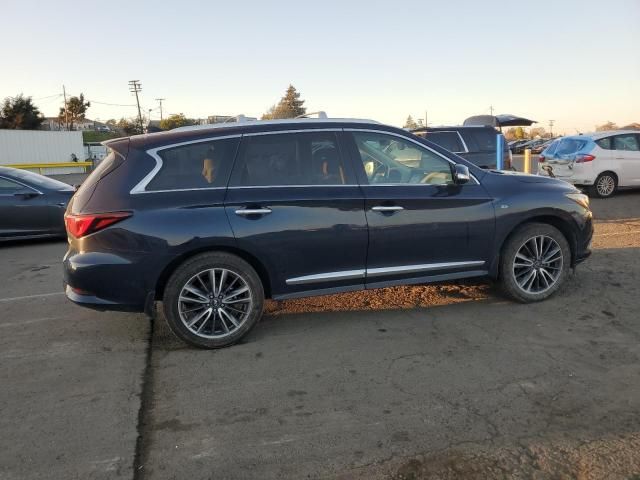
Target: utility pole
426,124
160,100
491,109
551,127
134,87
66,112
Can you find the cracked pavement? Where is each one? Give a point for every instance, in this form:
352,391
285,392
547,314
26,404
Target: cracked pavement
415,382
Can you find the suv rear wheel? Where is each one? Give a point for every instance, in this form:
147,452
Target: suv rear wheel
213,300
534,263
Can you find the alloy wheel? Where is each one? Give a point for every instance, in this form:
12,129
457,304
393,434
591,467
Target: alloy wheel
605,186
537,265
215,303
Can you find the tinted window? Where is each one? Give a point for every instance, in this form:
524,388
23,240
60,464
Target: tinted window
480,140
311,158
447,140
604,143
388,159
627,142
40,180
9,187
195,165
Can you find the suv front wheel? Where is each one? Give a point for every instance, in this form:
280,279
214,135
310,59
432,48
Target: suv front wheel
213,300
534,263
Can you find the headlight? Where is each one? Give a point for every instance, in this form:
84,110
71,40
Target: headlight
580,198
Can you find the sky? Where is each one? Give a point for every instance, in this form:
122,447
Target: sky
576,62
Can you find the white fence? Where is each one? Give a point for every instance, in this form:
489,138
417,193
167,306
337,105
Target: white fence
36,146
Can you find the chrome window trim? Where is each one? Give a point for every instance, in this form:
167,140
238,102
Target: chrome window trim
19,183
141,186
385,132
238,187
324,277
377,272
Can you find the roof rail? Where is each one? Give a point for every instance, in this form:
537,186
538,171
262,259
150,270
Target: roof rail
320,114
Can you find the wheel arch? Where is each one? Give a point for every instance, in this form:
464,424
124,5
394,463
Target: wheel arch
563,224
247,257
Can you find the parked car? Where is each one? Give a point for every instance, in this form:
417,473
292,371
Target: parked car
601,162
541,146
476,144
519,149
214,219
31,205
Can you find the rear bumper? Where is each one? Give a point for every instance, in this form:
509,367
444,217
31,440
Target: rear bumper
106,281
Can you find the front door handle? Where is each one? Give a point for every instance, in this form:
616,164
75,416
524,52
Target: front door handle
253,211
391,208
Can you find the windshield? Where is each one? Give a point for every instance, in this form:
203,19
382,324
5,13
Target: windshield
40,181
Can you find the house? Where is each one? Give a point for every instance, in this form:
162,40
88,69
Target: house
54,124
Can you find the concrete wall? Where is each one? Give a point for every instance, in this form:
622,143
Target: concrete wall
36,146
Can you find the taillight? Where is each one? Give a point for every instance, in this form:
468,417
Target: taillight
81,225
584,157
541,159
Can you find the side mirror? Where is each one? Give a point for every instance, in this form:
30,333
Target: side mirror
26,194
461,174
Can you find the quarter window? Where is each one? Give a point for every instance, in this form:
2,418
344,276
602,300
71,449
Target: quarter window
195,165
309,158
391,160
626,142
604,143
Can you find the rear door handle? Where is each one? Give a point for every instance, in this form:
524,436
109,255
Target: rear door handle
382,208
253,211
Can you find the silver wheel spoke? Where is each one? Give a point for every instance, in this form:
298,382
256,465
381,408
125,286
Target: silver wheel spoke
537,264
215,302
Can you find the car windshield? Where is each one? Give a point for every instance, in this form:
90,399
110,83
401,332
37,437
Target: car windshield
37,180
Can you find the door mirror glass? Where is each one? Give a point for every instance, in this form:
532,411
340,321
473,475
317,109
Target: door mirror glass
461,174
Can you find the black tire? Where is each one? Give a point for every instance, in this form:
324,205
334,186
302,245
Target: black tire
186,273
601,187
514,244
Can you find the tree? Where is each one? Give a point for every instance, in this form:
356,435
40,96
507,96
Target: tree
175,121
410,124
606,126
538,132
290,106
76,108
19,113
130,126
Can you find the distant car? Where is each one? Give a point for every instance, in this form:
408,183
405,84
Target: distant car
103,128
476,144
541,146
31,205
530,144
601,162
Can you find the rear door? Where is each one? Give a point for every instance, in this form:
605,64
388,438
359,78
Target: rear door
626,154
295,205
421,225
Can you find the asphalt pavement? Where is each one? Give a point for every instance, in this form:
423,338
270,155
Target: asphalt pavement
410,382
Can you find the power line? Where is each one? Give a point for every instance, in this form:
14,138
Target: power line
112,104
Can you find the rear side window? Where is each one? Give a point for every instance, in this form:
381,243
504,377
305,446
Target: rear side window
480,140
604,143
447,140
627,142
311,158
567,146
195,165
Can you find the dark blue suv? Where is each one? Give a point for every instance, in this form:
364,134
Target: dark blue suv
213,220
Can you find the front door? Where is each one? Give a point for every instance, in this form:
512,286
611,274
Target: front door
422,226
24,211
627,155
294,204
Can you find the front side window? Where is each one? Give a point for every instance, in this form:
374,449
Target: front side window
195,165
388,159
305,158
627,142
